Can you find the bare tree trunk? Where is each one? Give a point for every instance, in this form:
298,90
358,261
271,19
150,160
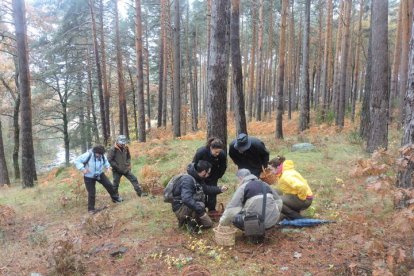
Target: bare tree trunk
140,72
193,84
28,160
4,174
395,66
357,58
91,102
259,75
107,95
251,68
404,51
147,75
365,113
378,132
161,65
281,71
291,62
405,178
218,71
239,112
105,132
177,72
340,115
326,63
337,61
123,116
304,78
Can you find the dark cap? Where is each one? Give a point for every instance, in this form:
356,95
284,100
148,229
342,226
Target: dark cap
243,142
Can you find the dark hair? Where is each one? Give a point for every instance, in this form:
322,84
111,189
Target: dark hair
275,162
202,165
99,149
214,143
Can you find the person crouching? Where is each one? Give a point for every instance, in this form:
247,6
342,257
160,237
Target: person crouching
189,195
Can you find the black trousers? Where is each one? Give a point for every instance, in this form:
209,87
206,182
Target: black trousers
90,187
132,178
211,200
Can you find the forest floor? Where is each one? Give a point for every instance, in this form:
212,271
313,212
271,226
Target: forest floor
47,229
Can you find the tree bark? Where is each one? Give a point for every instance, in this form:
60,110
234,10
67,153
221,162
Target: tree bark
405,177
281,71
304,78
340,115
251,67
396,65
326,63
4,174
91,101
239,112
105,132
177,72
259,75
107,95
378,132
140,72
28,160
218,71
404,51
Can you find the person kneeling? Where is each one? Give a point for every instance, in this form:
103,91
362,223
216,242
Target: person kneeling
189,195
248,202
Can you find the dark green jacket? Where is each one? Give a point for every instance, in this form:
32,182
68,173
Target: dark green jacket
120,159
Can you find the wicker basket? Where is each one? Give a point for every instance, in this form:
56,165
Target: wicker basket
267,176
225,235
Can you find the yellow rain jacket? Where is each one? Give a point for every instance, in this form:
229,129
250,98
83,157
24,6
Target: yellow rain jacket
291,182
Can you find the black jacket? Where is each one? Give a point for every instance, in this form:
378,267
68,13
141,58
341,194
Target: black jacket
186,189
252,159
219,163
120,159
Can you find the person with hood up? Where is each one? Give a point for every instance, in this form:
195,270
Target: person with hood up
189,195
249,153
214,153
92,164
248,199
120,159
296,193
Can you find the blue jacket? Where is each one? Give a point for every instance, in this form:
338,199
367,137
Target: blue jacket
95,166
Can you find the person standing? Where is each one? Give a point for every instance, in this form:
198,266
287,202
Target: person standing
249,153
92,164
214,153
120,159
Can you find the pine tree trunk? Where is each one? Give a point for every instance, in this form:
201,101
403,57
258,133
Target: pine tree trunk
147,75
365,114
4,174
337,62
140,72
304,72
161,65
259,75
105,132
107,95
405,178
357,58
218,71
340,115
91,102
281,71
326,63
291,62
395,66
28,160
404,52
16,137
123,118
252,62
193,84
177,72
82,127
378,132
239,112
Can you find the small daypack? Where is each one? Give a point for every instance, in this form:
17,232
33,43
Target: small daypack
89,158
168,191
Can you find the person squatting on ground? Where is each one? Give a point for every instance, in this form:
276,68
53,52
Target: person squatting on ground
189,195
92,164
249,153
296,193
213,152
120,159
248,200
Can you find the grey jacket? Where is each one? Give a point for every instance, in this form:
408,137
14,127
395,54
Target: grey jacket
252,204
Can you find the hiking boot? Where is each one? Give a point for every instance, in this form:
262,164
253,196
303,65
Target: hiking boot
140,193
117,199
92,212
